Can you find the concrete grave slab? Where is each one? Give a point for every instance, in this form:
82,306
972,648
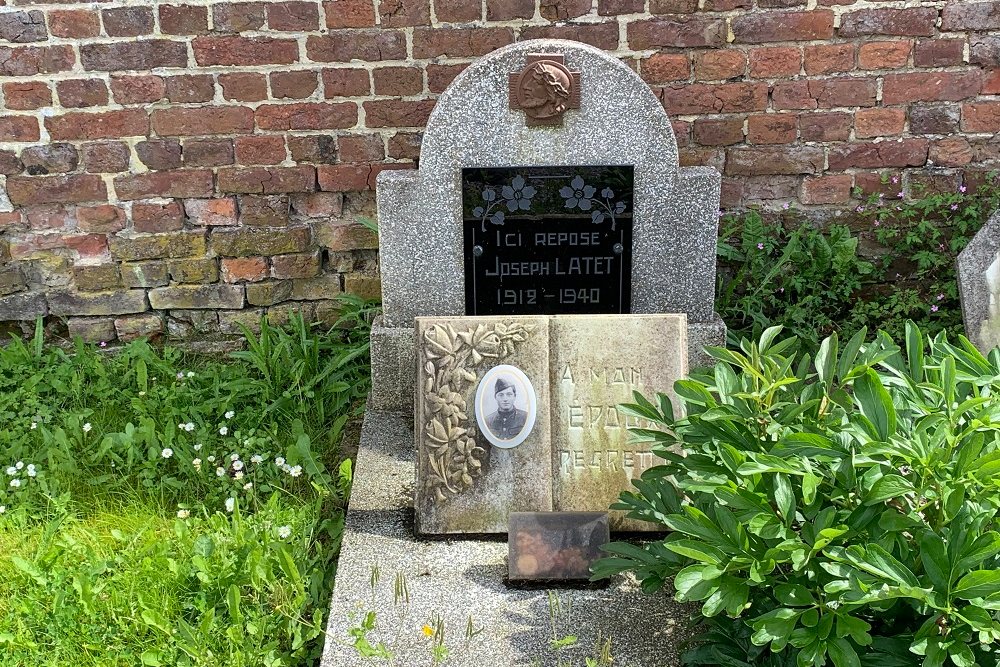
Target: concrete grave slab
979,286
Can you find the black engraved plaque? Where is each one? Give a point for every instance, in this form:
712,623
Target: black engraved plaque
548,240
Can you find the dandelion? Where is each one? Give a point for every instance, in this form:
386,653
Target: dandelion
230,504
197,447
87,427
167,453
183,514
15,483
12,471
256,458
219,472
934,309
230,414
223,431
427,630
34,425
284,532
279,461
295,472
237,465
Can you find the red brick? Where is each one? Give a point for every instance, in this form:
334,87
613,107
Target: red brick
293,16
792,95
439,77
103,219
984,50
771,161
49,217
183,20
677,31
829,58
772,128
177,183
692,5
939,52
992,84
296,85
142,89
244,269
718,131
884,55
50,158
346,82
664,67
341,46
951,152
207,152
398,81
127,21
104,125
502,10
19,128
397,113
719,65
106,157
936,119
179,122
213,50
65,189
715,98
931,87
159,153
462,11
74,23
155,217
761,27
361,148
613,8
138,55
875,155
297,265
238,16
266,149
267,180
918,21
23,26
405,146
307,116
959,16
320,148
981,117
601,35
76,93
561,10
264,210
243,86
404,13
190,88
211,212
834,189
348,178
775,62
880,122
459,42
843,92
26,95
351,14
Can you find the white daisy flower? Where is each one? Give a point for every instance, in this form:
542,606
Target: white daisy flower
256,458
196,463
3,508
237,465
19,465
87,427
284,532
239,474
189,427
230,504
296,471
12,470
219,472
190,374
183,514
197,447
180,376
230,414
167,453
279,461
15,483
34,425
211,459
248,486
223,431
31,470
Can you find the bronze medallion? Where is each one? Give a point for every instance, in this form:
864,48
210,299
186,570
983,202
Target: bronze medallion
545,89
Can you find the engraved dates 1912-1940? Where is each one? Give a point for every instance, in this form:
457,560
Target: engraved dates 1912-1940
548,240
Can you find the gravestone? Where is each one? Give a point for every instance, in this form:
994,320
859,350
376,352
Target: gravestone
979,286
563,444
647,248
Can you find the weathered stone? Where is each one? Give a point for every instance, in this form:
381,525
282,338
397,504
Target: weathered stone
211,211
230,320
11,280
91,329
250,241
320,287
200,322
344,235
24,306
145,274
195,270
96,278
138,326
154,246
296,265
197,297
269,293
118,302
366,287
282,313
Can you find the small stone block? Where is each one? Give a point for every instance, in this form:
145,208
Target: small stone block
555,546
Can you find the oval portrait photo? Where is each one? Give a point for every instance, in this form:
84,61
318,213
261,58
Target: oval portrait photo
505,406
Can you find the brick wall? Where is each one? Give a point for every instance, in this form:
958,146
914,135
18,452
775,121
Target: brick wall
182,167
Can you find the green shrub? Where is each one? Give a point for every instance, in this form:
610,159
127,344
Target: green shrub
845,509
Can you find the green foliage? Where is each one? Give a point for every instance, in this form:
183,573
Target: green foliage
164,509
843,508
815,281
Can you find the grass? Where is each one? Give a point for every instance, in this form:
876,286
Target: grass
175,510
